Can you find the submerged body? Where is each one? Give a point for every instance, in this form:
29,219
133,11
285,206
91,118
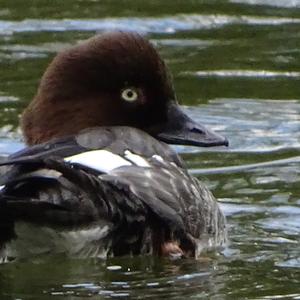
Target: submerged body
86,190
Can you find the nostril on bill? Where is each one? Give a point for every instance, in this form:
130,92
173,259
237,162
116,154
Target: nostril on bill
197,130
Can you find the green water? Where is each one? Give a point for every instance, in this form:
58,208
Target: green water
236,67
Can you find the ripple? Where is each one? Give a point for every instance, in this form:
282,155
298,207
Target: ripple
145,25
290,263
252,125
276,3
257,74
172,282
5,99
21,51
248,167
287,225
18,52
231,209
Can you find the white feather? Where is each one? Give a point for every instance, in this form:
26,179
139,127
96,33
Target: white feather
100,160
158,157
136,159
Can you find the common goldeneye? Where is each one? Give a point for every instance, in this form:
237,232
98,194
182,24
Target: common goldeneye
97,177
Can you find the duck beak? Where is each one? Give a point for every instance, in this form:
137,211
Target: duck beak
182,130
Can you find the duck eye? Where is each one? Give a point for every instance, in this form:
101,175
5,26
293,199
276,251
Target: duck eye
129,94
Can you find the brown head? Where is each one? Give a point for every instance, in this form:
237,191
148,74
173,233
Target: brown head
111,79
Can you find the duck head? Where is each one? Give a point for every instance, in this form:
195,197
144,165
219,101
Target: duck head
108,80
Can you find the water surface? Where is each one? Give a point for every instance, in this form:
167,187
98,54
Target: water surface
236,67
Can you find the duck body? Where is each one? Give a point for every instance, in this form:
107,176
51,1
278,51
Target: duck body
115,189
94,182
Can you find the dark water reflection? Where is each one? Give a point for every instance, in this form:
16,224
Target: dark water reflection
236,66
133,277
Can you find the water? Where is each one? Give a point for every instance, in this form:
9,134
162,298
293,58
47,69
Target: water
236,67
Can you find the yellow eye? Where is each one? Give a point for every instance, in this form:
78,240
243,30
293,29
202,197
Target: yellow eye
129,94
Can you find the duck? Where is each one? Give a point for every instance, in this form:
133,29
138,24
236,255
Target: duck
98,177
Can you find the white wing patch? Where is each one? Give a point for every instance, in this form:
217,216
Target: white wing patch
100,160
158,157
136,159
105,161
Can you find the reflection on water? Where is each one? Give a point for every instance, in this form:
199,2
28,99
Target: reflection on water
155,25
236,66
278,3
149,277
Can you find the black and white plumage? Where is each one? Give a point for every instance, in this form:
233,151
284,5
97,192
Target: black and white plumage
105,191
